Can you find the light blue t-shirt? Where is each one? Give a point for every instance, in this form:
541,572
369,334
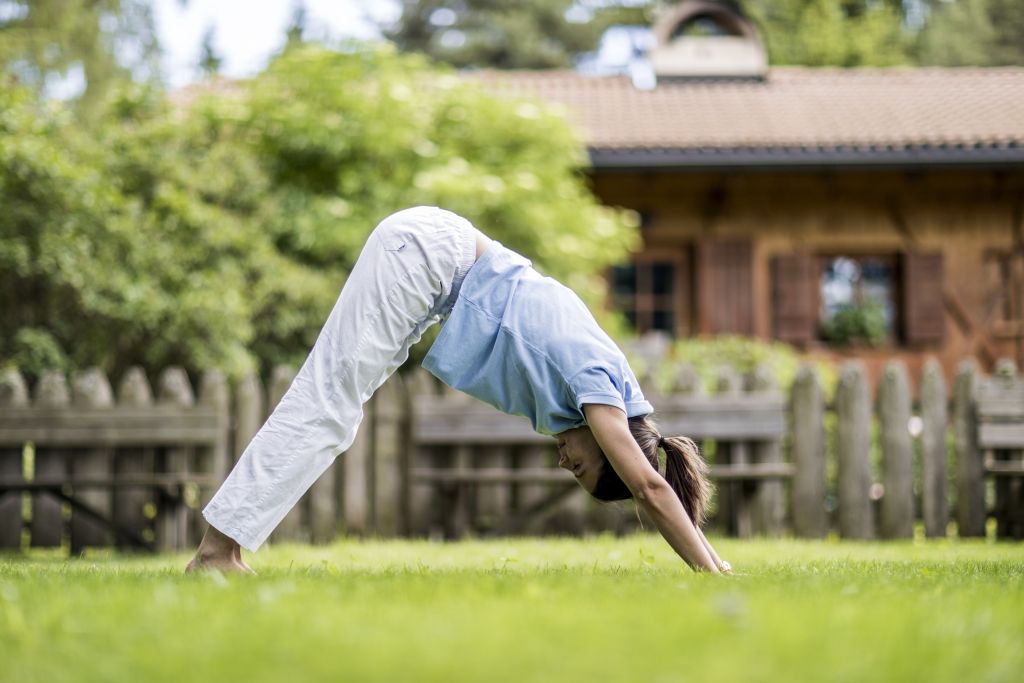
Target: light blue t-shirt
526,344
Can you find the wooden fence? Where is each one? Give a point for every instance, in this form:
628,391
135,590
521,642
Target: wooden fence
82,466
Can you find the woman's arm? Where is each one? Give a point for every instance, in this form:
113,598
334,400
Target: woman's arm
650,490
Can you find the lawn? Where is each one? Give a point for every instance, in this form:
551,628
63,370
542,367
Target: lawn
598,609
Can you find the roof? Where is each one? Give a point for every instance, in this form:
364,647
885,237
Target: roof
796,116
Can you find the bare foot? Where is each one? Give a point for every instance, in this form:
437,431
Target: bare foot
220,552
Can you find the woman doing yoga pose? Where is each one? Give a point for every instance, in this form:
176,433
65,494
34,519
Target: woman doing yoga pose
516,339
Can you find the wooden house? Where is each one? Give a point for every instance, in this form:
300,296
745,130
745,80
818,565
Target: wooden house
870,213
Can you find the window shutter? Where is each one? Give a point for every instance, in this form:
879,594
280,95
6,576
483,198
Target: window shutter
794,298
725,286
923,315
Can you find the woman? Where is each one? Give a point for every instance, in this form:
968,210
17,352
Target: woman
518,340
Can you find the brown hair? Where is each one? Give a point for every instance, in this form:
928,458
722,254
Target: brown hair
685,469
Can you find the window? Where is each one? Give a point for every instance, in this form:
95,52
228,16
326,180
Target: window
647,292
858,300
846,299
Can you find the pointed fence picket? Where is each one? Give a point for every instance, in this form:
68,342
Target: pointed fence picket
96,471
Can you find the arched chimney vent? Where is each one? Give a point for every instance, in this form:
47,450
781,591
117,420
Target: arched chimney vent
703,39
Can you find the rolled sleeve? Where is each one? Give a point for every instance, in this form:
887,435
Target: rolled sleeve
595,384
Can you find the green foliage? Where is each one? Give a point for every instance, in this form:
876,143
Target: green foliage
105,42
537,35
745,354
829,33
857,323
34,351
974,33
219,233
515,35
209,60
502,610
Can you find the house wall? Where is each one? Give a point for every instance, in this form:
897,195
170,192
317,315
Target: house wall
964,215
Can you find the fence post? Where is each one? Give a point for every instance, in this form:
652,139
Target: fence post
357,483
215,460
733,496
853,408
897,453
933,450
130,504
250,409
172,520
319,504
527,495
389,459
807,414
1009,504
290,526
13,394
47,519
970,467
422,505
493,501
456,498
90,389
769,510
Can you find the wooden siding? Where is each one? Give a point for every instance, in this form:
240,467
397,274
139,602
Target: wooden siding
966,218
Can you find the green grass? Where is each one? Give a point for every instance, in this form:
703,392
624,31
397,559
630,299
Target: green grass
597,609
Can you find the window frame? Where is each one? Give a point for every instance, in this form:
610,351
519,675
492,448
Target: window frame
892,259
644,302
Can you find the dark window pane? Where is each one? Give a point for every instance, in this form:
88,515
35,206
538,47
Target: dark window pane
646,218
857,300
877,288
663,278
664,320
624,279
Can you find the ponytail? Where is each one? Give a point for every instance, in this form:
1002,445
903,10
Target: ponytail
687,474
685,469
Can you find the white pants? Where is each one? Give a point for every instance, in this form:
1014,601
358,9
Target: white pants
406,279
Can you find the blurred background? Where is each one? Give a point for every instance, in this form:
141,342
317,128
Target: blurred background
735,188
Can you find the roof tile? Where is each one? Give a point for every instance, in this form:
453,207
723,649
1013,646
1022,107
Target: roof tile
795,107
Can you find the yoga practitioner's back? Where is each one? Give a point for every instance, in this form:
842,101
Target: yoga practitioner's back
526,344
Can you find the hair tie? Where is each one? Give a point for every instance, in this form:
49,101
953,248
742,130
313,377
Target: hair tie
661,441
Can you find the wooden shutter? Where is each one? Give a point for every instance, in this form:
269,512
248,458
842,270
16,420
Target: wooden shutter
725,287
922,311
794,298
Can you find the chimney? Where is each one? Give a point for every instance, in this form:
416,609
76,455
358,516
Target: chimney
707,40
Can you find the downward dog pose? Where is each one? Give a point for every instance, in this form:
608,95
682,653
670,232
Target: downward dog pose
518,340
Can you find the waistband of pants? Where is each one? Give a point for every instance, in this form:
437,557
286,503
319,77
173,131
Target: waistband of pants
466,254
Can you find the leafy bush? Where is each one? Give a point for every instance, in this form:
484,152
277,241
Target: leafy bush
219,231
853,323
745,354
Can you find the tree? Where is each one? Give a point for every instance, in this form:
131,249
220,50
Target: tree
297,27
829,33
218,231
90,45
534,34
209,60
974,33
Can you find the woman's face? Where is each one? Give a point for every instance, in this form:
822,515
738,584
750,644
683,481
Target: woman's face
579,453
